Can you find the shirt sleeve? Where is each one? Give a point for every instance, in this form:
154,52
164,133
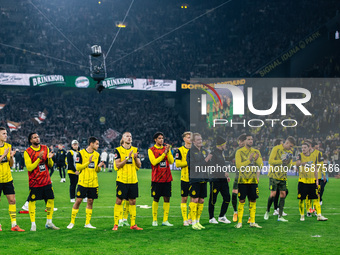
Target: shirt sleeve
28,162
50,162
180,162
154,161
117,154
79,163
272,160
170,157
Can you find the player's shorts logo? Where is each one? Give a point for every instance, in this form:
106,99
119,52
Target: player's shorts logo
299,195
33,196
182,192
78,193
215,190
193,193
119,192
153,193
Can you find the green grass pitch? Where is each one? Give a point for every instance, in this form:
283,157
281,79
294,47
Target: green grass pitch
293,237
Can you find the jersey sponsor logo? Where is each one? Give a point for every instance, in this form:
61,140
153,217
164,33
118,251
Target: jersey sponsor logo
42,168
162,164
4,160
129,161
91,165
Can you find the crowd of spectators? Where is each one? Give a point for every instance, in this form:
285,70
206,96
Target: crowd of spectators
79,114
233,40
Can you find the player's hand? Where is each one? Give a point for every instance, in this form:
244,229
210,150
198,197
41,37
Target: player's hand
256,156
90,158
6,151
317,183
167,148
41,154
76,172
208,157
251,156
135,155
130,153
50,155
12,153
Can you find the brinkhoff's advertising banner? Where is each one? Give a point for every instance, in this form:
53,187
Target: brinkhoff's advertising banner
36,80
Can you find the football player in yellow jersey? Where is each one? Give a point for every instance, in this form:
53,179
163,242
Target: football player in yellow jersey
280,161
6,179
248,163
88,165
181,161
127,163
308,181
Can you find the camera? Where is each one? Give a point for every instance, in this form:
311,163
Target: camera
97,66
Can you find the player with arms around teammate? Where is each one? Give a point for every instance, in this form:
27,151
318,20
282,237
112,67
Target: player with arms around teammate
280,161
181,161
248,163
38,159
6,179
88,165
127,164
160,158
308,181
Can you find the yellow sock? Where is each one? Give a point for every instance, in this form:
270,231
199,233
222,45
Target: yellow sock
74,215
184,211
252,210
166,209
301,207
189,214
240,211
126,210
50,208
12,214
199,211
118,211
317,206
123,204
31,209
308,204
133,214
88,216
193,210
154,210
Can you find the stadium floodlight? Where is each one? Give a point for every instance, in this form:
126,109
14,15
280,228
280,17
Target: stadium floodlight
97,66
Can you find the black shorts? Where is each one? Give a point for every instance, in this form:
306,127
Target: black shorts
198,189
83,192
7,188
126,191
306,189
184,188
160,189
248,190
277,185
45,192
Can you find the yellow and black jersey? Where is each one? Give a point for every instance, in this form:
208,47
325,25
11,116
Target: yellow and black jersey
88,170
280,161
5,169
307,172
128,173
248,169
319,162
181,161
